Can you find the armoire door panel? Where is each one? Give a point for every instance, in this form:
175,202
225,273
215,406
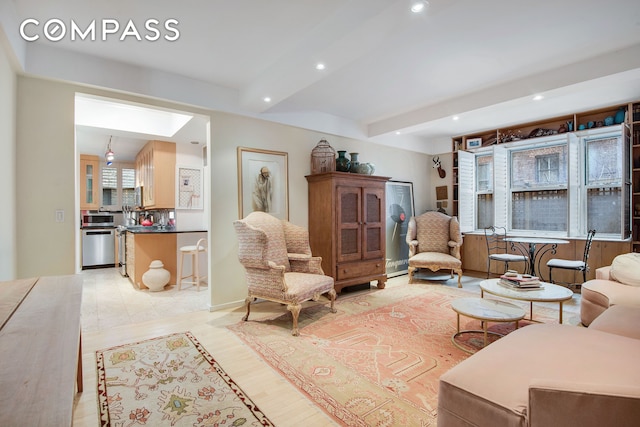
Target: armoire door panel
349,226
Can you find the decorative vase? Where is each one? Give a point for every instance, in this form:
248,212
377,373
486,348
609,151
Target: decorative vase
365,168
156,278
354,162
342,163
619,118
608,121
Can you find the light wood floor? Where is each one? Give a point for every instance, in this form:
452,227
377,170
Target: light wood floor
115,313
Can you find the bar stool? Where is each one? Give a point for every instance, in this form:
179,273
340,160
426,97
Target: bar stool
194,251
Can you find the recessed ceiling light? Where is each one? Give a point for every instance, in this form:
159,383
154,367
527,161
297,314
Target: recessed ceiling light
398,132
320,66
419,6
266,99
538,97
456,118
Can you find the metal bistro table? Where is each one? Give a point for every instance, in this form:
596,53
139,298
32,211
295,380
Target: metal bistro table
538,247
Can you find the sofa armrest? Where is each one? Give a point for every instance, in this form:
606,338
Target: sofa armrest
582,404
603,273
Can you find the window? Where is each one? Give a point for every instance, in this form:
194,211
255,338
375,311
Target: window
560,185
603,183
484,191
118,187
539,188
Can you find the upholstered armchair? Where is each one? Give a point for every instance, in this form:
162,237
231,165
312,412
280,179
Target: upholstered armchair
279,266
434,241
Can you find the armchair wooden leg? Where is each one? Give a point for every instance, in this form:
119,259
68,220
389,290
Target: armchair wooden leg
248,302
411,270
332,297
295,312
459,278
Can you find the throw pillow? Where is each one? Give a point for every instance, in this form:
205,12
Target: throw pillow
626,269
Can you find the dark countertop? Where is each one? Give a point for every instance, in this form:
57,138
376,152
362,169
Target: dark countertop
154,229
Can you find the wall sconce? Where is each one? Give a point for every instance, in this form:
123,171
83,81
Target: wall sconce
109,155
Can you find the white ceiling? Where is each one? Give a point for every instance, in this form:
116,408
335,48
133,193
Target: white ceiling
387,70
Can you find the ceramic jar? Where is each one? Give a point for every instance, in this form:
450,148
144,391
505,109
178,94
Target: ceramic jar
354,162
156,278
619,117
342,163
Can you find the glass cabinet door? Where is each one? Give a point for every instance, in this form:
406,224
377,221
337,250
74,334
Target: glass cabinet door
88,173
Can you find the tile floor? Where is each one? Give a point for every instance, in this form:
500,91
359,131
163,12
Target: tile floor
110,300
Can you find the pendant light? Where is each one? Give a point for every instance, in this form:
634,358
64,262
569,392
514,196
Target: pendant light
109,155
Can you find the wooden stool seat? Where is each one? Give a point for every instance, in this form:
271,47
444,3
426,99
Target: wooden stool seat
194,251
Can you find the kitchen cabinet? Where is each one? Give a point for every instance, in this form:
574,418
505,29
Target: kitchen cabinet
89,180
156,173
145,247
347,226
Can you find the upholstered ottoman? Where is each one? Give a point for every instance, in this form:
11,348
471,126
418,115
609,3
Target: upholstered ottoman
617,284
545,375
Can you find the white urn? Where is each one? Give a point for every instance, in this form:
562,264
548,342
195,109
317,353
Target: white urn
156,278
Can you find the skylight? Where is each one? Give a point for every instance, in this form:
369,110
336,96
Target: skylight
106,114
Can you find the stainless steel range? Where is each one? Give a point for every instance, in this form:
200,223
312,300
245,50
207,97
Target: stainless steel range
98,240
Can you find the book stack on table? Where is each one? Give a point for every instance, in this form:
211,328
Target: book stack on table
522,282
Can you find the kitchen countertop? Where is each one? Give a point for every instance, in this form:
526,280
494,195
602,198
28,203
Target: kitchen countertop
155,229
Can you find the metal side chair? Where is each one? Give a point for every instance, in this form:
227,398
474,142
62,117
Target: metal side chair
497,249
577,265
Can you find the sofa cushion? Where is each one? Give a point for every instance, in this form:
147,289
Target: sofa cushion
620,320
492,386
626,269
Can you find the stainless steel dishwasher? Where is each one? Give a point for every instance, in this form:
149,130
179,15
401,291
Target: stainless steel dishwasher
98,247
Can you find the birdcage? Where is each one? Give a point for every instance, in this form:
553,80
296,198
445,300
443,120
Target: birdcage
323,158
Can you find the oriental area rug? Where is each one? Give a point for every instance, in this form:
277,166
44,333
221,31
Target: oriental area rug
169,381
377,361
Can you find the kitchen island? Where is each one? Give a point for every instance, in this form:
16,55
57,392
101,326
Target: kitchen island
145,244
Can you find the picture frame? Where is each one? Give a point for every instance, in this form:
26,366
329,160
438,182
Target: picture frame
400,207
474,143
258,191
190,192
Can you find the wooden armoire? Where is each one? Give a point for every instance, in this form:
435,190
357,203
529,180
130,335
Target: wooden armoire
347,226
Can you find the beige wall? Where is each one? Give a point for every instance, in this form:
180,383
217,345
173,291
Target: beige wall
7,167
46,165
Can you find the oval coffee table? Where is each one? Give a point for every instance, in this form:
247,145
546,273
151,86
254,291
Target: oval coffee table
485,310
548,293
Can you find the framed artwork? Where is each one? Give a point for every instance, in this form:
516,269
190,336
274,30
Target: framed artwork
474,143
190,188
400,208
263,183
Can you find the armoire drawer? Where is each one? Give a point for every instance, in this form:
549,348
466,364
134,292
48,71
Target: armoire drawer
352,270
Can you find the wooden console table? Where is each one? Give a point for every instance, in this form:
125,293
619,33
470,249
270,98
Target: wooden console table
40,350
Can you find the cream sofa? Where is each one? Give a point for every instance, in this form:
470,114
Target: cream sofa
550,375
617,284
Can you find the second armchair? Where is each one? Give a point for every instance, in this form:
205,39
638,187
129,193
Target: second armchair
434,242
